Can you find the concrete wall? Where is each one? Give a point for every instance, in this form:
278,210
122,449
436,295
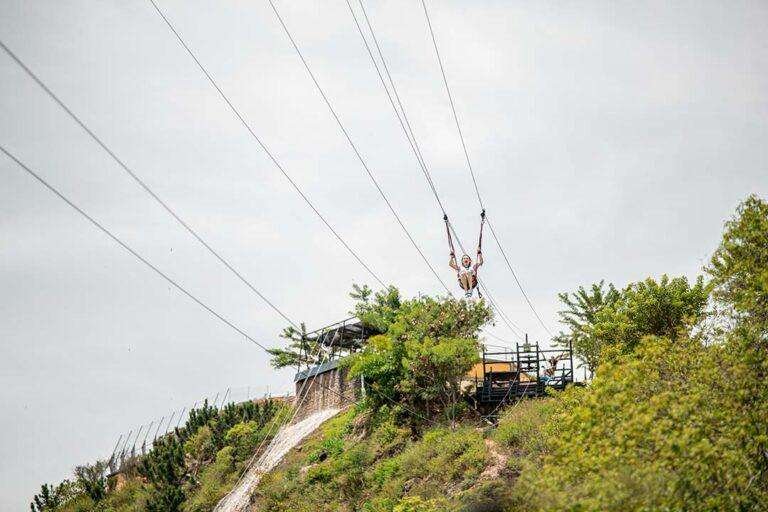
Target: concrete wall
330,388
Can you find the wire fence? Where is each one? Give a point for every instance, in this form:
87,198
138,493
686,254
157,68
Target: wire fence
139,441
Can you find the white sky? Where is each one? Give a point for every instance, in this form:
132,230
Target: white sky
611,140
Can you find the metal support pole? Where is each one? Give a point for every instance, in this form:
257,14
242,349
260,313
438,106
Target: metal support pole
133,447
144,441
158,428
168,426
112,456
224,399
180,416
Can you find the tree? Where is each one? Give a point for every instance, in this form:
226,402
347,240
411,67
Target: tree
300,350
739,273
164,468
580,315
739,266
427,347
661,428
92,479
376,311
604,323
48,499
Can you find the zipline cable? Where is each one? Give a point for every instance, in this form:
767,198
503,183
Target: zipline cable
300,398
405,125
512,326
471,170
359,156
141,182
517,281
404,122
129,249
263,146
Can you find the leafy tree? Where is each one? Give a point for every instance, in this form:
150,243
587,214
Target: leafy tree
163,467
427,347
300,350
739,272
739,266
608,322
48,499
580,315
376,311
92,479
658,429
51,497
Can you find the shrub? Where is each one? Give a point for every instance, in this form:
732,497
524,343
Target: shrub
215,481
244,438
427,347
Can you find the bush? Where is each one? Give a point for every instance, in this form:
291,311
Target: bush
660,429
215,481
200,447
519,428
244,438
427,347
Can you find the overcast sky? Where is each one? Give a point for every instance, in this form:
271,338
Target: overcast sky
610,139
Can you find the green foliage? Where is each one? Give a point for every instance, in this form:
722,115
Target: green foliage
671,421
244,438
657,430
164,469
300,350
417,504
92,479
519,428
200,447
604,323
51,497
427,347
582,308
131,497
185,470
739,267
383,471
215,481
377,311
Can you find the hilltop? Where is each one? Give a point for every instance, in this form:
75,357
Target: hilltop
674,418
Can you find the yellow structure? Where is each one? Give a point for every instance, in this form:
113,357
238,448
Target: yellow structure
478,372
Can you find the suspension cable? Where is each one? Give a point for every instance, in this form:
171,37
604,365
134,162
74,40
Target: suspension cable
404,122
471,170
359,156
125,246
263,146
512,326
402,117
517,281
142,183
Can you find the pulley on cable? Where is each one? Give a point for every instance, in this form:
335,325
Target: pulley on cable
466,271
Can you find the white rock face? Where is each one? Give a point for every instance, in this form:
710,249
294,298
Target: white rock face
288,437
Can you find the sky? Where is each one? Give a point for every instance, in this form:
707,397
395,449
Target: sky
610,140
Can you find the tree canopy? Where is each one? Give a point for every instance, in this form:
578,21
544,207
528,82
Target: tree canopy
427,346
739,266
604,321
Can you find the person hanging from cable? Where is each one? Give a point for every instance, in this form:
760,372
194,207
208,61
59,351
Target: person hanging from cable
466,272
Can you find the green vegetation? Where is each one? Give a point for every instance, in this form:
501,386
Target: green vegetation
370,463
609,322
674,419
427,347
299,351
187,470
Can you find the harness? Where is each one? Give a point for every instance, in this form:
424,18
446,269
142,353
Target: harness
471,272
